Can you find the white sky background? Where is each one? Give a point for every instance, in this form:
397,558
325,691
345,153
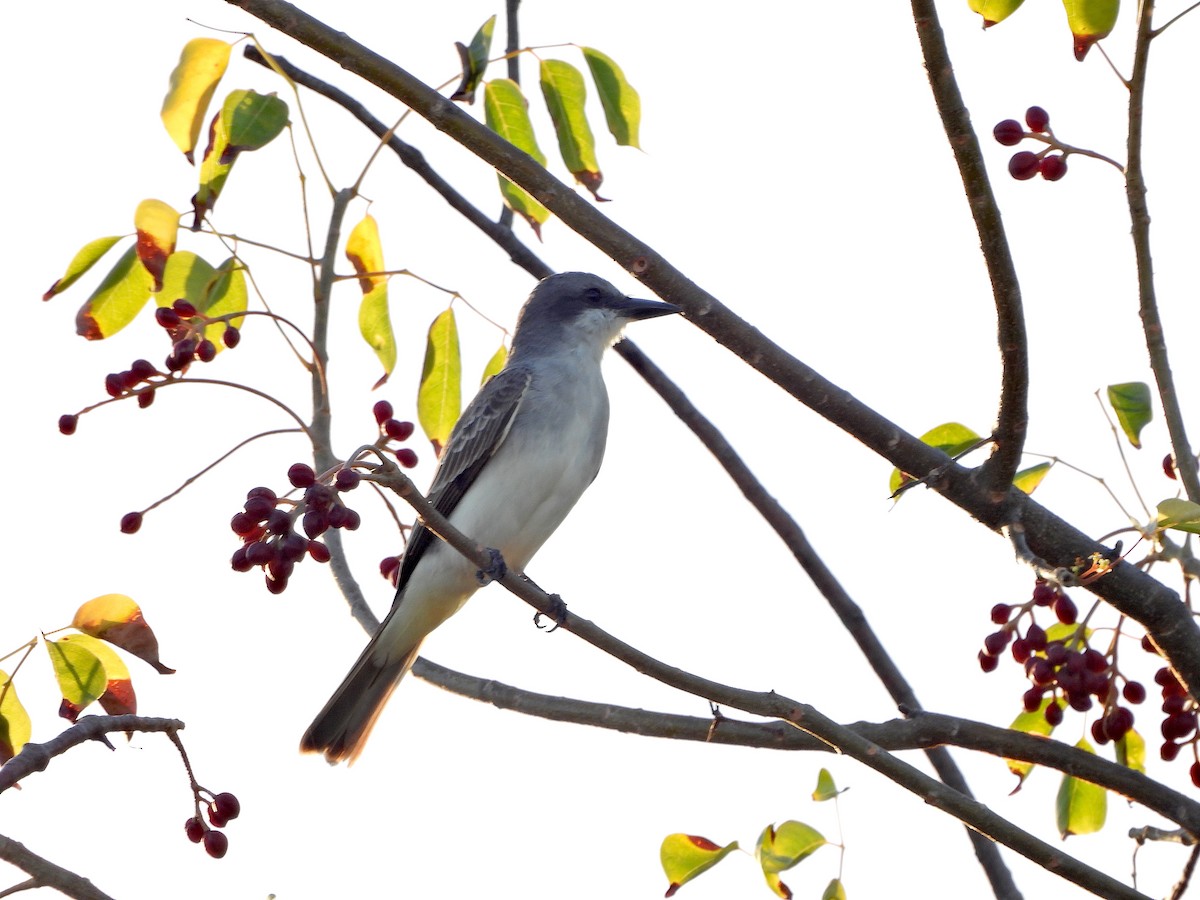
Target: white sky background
796,168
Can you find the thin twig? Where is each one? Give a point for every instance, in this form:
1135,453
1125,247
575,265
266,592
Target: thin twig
46,874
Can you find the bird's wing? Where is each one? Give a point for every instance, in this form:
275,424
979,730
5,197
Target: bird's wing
480,431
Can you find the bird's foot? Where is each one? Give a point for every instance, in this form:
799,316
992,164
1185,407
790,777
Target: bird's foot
495,570
558,612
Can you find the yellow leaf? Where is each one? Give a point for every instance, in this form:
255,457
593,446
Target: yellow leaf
193,83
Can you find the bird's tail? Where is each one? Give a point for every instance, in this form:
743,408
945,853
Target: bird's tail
341,729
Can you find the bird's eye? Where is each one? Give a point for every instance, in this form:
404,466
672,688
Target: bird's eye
593,295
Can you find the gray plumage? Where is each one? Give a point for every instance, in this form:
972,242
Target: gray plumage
521,455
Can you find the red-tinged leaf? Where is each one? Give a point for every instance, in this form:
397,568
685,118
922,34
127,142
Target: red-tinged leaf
80,676
193,83
15,727
685,856
1090,21
622,105
439,397
507,114
117,619
365,252
118,299
157,226
994,11
88,256
474,61
119,697
563,88
213,172
247,121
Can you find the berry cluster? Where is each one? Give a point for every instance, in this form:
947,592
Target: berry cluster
221,809
1024,163
1179,724
278,532
1059,663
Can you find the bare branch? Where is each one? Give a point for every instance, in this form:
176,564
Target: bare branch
46,873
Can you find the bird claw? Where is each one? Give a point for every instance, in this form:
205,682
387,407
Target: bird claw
495,570
558,612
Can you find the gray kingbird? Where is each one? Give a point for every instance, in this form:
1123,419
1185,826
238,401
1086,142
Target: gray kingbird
521,455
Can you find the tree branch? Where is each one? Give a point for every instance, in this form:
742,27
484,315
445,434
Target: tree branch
1130,591
47,874
1012,418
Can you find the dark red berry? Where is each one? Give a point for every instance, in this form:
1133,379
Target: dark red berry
1009,132
1037,119
1000,613
1053,167
1044,594
346,480
1064,608
1134,692
279,522
1036,636
315,522
259,553
131,522
183,308
1041,673
398,431
114,384
301,475
231,337
988,663
276,585
238,561
215,818
166,317
1169,466
145,397
1053,714
243,523
388,566
406,457
1023,165
1194,773
265,492
143,369
228,805
351,520
194,829
216,844
292,548
1099,735
1168,751
318,551
1021,650
319,496
1094,660
258,508
1079,702
1032,699
382,411
1118,723
1056,653
206,351
68,423
995,643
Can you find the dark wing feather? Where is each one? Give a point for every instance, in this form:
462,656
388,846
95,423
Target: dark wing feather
481,429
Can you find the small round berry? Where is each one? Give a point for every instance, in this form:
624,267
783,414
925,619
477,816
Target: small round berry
131,522
1001,613
318,551
1037,119
259,553
319,496
1134,692
206,351
68,423
145,397
1169,466
351,520
1168,751
1064,608
243,523
988,663
216,818
382,411
143,369
301,475
1036,636
276,585
114,384
1118,723
238,561
315,522
995,643
398,431
1056,653
1099,735
1053,167
166,317
231,337
216,844
388,566
279,522
1194,773
1053,714
1041,673
292,548
194,829
1148,645
183,308
1021,650
265,492
1023,165
228,805
1094,660
1032,699
346,480
407,457
1080,702
1044,594
1009,132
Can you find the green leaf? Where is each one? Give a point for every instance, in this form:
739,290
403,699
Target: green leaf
186,277
88,256
1030,723
495,364
15,727
1131,751
79,672
622,105
507,114
247,121
118,299
474,61
1090,21
684,856
193,83
1182,515
1131,403
226,294
826,789
994,11
835,890
563,88
951,438
1068,634
1027,480
439,398
1081,805
365,252
778,849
